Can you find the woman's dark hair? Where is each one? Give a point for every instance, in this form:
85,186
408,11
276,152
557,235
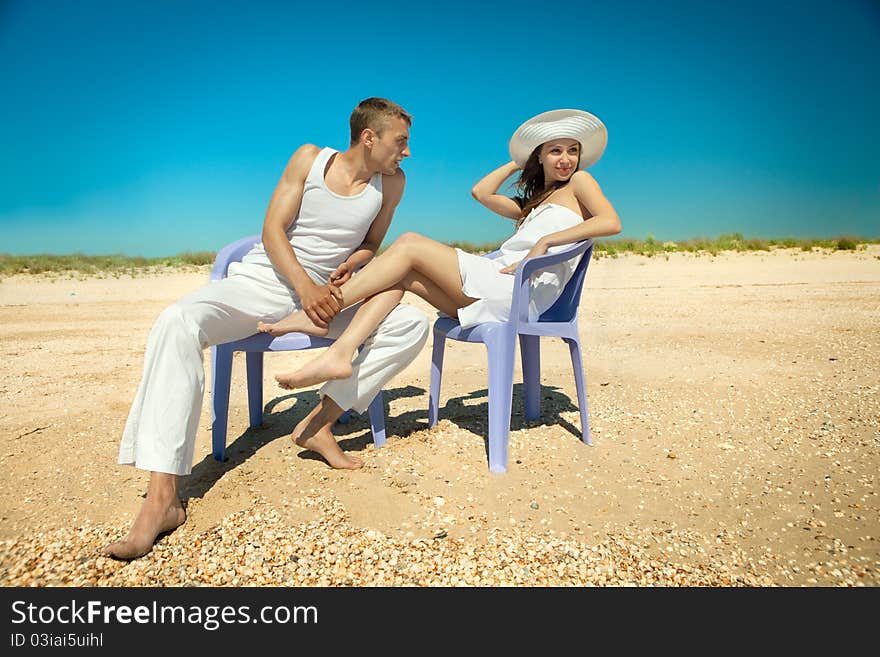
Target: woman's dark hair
531,183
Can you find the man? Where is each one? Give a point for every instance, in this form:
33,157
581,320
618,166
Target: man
327,217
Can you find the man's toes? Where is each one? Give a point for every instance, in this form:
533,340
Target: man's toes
124,550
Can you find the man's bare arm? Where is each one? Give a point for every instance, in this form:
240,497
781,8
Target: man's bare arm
318,301
392,192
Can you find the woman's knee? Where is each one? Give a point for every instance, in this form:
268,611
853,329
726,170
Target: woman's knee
410,238
412,248
409,242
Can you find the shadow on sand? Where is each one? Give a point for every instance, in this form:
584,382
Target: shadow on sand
469,412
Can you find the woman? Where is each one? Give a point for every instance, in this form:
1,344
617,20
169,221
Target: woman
559,204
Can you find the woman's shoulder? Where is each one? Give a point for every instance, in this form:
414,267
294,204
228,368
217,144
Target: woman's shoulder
583,183
582,175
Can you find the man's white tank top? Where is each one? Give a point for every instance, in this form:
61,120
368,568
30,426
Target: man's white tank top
329,226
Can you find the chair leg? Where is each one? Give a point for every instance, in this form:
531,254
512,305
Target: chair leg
501,351
255,387
436,375
221,375
530,351
574,347
377,420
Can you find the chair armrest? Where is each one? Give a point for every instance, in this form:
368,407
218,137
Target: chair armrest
231,253
519,308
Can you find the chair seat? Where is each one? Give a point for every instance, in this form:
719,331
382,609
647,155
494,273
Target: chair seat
478,333
287,342
486,331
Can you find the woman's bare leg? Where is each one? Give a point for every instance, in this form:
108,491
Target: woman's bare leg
428,290
411,252
420,264
413,263
335,362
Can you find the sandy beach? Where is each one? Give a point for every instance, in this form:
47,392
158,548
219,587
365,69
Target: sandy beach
734,403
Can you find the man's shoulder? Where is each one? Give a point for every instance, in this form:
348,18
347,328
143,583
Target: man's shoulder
302,159
306,152
395,181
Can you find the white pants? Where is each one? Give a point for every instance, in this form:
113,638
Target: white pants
161,429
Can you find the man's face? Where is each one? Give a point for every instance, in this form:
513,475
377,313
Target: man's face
391,147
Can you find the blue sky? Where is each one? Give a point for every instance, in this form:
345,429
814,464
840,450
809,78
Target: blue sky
157,127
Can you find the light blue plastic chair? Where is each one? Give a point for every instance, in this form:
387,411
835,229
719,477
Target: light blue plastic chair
254,347
560,320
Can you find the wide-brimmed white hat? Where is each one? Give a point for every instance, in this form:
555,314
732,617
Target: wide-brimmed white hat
569,123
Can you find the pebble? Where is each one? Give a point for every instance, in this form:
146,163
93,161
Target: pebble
329,551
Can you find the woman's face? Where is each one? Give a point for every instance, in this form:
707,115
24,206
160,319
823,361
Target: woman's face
559,157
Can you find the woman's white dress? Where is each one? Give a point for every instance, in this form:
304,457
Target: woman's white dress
481,278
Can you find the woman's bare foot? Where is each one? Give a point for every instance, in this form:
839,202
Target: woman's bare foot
324,443
154,518
297,322
332,364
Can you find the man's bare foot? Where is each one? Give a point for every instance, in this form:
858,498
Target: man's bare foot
297,322
154,518
324,443
332,364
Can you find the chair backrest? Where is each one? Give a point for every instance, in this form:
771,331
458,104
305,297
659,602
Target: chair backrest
230,253
564,309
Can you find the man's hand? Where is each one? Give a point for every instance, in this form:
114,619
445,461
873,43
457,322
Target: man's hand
321,303
341,274
538,250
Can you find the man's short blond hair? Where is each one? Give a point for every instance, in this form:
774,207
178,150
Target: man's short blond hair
374,113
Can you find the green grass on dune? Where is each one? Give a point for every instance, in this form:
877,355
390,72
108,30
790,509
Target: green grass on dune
650,246
112,265
120,265
731,242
